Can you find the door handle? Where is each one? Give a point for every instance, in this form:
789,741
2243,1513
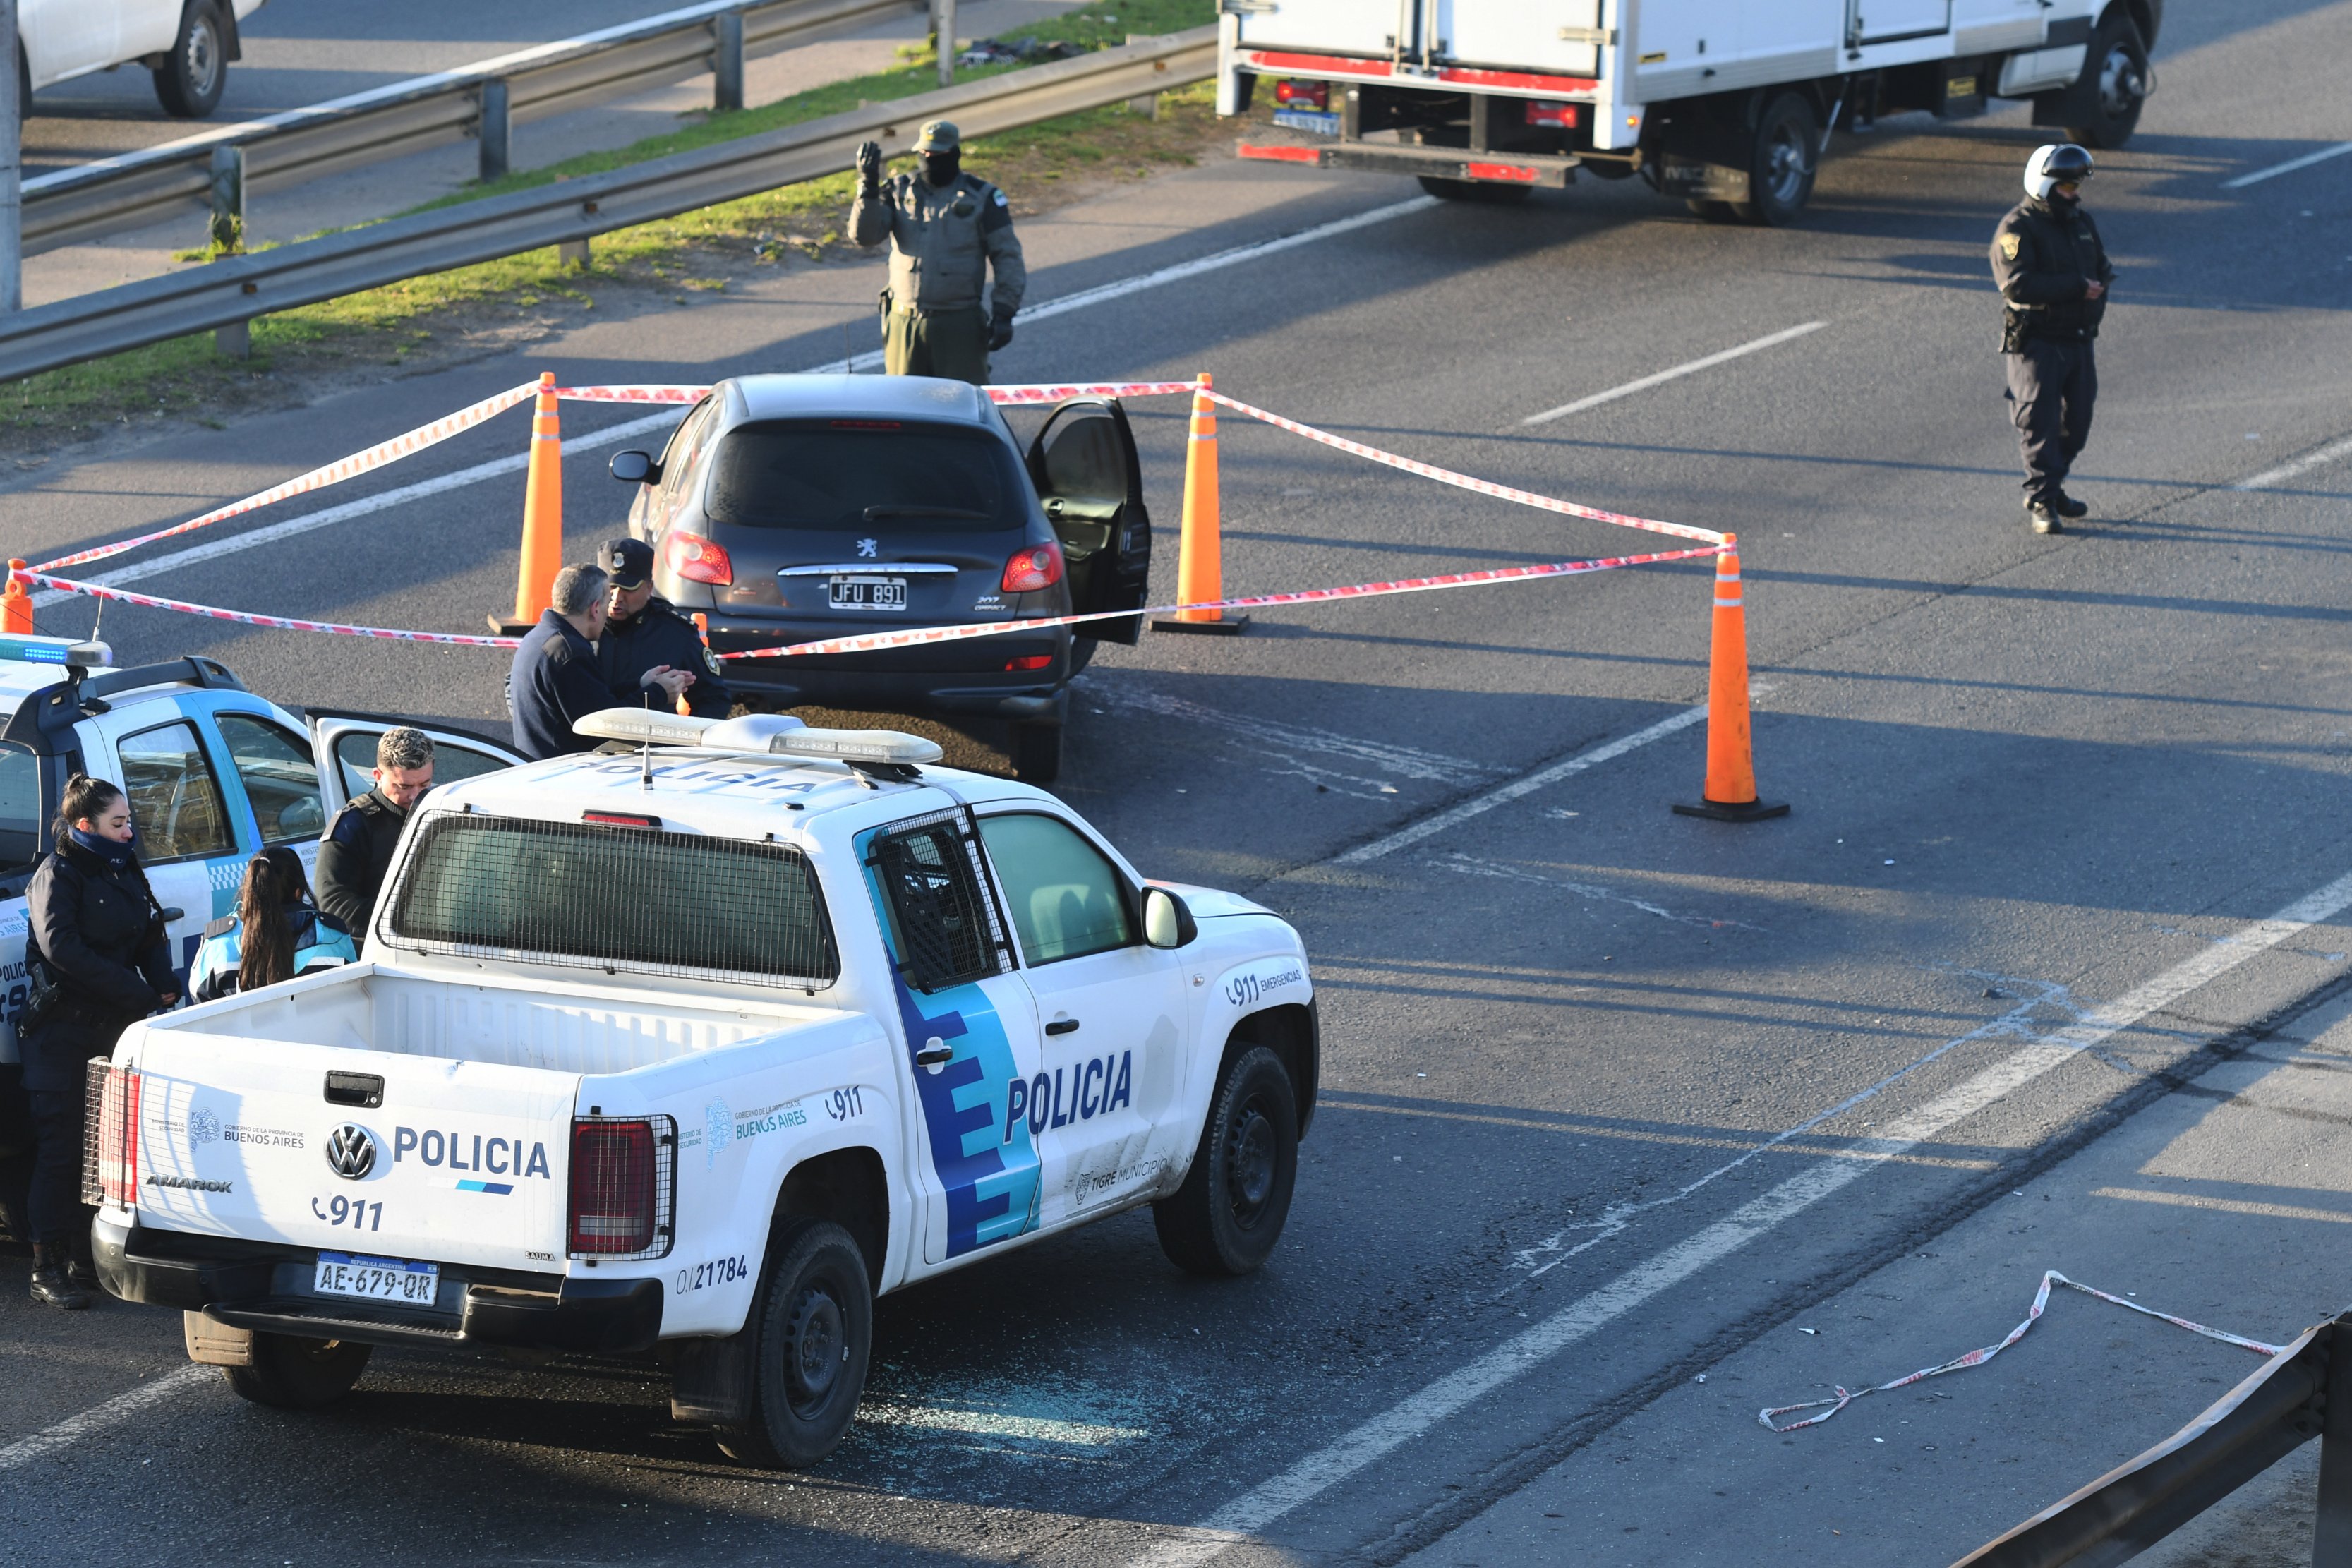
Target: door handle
935,1056
1063,1027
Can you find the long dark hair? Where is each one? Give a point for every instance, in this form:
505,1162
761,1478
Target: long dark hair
84,799
273,882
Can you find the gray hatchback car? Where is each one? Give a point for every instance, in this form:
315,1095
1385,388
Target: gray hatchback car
794,508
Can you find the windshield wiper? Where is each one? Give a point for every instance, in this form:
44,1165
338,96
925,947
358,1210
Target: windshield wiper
966,513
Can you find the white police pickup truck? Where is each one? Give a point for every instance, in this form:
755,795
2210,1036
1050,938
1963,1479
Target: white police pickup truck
214,773
692,1046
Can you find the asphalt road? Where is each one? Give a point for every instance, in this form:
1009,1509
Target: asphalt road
1611,1096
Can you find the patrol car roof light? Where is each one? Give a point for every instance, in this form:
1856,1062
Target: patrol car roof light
62,651
888,747
643,727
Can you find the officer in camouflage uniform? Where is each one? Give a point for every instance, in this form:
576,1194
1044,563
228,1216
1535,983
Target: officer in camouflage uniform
2053,275
643,633
945,228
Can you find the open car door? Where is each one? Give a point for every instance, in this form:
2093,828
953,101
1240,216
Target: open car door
1084,465
344,744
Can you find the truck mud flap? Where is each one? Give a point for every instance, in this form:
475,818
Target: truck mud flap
1550,171
710,1381
1694,180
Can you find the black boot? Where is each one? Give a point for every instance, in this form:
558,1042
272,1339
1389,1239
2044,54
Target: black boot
80,1266
52,1286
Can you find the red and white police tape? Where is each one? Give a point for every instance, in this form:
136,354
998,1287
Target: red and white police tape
910,637
1978,1357
439,430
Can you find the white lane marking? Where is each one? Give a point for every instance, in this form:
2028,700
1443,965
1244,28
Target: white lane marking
99,1417
1526,1351
1409,762
214,549
2289,167
1470,865
1710,362
1526,785
2302,465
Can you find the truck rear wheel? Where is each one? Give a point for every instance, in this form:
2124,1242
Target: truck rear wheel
1472,190
815,1331
1226,1218
194,71
292,1373
2115,73
1780,168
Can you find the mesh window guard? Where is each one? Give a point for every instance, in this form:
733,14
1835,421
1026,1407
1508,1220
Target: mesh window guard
615,899
940,905
624,1187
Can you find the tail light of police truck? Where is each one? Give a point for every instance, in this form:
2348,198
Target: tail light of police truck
1039,566
110,1159
624,1171
697,559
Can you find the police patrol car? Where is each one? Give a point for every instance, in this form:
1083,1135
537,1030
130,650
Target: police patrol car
214,774
693,1046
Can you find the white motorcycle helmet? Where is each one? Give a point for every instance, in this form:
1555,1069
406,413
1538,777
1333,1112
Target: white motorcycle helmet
2059,164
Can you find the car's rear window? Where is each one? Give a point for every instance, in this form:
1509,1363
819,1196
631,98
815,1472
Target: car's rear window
615,899
867,475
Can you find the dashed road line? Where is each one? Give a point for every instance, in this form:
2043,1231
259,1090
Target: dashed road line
1525,1351
99,1417
1709,362
2289,167
2298,467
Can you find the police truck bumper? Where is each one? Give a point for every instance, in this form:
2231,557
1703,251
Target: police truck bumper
265,1287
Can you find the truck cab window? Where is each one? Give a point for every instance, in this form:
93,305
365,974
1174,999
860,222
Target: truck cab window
280,778
21,840
1066,899
175,802
946,935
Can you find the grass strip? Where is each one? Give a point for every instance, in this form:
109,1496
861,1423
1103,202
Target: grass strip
419,318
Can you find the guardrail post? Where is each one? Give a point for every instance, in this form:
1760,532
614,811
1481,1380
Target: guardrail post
12,198
497,131
1148,105
727,61
943,35
2331,1539
573,253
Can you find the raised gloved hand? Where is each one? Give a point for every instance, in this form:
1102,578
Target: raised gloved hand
869,165
1000,331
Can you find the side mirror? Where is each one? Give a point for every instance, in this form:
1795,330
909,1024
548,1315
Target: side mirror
1167,924
636,469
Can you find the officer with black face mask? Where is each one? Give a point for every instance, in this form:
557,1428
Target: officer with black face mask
2053,275
946,228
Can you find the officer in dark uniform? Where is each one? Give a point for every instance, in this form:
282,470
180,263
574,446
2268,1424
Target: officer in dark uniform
946,229
554,680
2053,275
357,850
643,633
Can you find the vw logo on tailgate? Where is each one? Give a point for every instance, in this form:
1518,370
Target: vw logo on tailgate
350,1152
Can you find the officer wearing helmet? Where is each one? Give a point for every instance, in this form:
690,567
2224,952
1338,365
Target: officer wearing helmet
946,228
2053,276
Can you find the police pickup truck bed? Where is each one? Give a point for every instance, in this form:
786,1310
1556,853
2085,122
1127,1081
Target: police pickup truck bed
692,1048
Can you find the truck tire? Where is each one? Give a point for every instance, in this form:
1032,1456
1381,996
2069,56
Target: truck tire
1780,167
2115,73
1473,190
1036,753
816,1333
292,1374
195,72
1226,1218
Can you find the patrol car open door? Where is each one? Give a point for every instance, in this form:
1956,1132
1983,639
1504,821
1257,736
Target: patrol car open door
344,744
1084,465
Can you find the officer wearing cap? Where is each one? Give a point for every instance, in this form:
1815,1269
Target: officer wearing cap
2053,275
644,634
946,228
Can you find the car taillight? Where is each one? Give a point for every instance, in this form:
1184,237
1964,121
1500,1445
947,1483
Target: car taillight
621,1186
1033,661
695,559
1039,566
110,1140
1545,111
1314,94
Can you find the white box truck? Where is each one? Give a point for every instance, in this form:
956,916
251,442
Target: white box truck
1728,104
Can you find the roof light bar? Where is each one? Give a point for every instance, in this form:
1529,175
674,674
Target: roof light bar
62,651
892,746
643,727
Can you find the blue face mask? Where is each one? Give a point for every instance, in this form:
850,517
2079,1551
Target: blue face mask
117,855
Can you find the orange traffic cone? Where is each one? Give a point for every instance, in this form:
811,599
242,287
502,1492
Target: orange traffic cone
1199,566
1730,794
16,604
543,517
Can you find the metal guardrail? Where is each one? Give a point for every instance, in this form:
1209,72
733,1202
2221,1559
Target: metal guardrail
2305,1392
237,289
482,101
